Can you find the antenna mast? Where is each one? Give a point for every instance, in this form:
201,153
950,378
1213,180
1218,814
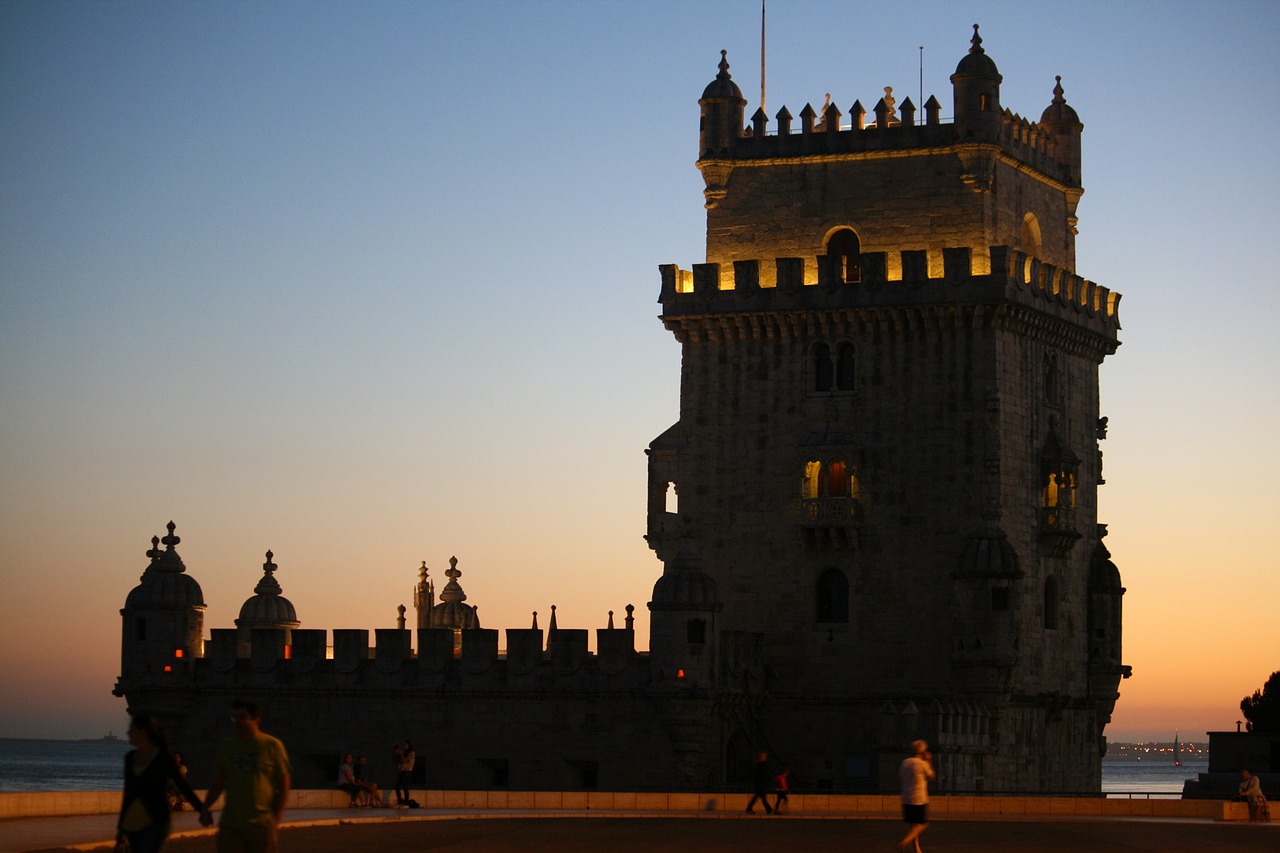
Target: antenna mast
921,105
762,55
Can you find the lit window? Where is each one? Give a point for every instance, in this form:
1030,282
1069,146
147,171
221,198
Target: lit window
177,653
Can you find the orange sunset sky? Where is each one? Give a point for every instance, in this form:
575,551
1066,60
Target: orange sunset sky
371,284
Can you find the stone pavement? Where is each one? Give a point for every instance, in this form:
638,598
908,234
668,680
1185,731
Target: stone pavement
462,831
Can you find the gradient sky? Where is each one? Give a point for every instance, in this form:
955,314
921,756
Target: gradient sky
374,283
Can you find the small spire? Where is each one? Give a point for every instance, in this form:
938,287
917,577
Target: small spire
610,620
976,41
535,620
400,619
630,623
1058,91
155,551
724,66
552,627
422,572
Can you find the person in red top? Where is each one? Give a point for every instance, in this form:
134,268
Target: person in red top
781,784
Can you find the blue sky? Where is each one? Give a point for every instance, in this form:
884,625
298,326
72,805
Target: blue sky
371,284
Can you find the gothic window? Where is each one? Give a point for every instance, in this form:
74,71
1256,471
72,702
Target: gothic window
823,369
1060,490
845,250
837,479
844,367
833,367
812,474
833,596
984,102
831,478
1051,604
1050,367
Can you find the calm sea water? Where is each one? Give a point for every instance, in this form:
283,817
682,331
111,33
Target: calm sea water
62,765
72,765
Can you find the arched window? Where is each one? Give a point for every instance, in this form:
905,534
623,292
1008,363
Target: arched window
811,487
1029,240
845,246
833,596
1051,603
830,479
823,369
837,480
844,367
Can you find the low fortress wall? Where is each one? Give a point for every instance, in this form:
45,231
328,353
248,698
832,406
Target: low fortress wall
580,803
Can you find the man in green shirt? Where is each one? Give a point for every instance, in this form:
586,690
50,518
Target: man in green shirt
253,769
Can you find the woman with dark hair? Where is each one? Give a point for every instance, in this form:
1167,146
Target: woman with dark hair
149,769
405,760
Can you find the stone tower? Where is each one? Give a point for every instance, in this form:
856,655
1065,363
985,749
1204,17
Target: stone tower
887,456
163,631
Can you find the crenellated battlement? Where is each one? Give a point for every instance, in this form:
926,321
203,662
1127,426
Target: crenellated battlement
401,658
906,278
888,131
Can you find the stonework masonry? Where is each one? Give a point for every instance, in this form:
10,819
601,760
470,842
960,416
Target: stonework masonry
876,515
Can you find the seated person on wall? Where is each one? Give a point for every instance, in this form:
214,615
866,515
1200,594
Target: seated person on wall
347,782
372,796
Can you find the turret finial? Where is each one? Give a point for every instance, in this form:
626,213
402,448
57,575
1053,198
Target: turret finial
976,41
1058,91
155,551
268,585
724,66
170,540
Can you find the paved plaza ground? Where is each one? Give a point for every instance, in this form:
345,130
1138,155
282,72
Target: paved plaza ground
733,834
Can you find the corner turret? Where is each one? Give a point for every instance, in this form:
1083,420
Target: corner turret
1061,122
682,628
976,89
721,127
163,616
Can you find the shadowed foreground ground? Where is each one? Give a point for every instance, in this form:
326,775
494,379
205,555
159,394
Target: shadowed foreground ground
643,835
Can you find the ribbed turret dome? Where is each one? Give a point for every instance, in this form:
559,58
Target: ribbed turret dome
987,553
165,585
686,586
723,86
1059,112
976,63
267,608
451,612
